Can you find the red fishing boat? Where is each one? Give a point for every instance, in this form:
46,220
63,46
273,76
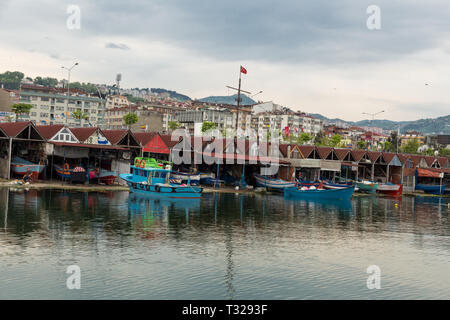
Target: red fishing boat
390,189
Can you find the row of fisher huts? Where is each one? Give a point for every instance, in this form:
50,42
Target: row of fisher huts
115,150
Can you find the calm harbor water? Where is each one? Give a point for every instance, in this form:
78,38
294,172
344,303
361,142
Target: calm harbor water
223,246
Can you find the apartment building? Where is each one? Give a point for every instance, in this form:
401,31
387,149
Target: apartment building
411,135
292,123
148,119
7,99
116,101
192,120
54,106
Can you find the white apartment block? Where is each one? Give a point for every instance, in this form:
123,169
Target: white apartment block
52,106
265,121
192,120
116,101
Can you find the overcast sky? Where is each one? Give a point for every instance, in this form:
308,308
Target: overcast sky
315,56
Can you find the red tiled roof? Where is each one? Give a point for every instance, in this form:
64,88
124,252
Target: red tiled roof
167,139
214,143
12,129
144,137
341,153
48,132
358,154
373,155
306,150
114,136
86,145
403,157
415,158
324,151
388,156
284,149
430,160
443,161
82,134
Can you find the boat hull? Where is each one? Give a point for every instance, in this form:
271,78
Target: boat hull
162,190
390,189
367,187
335,185
62,173
431,189
330,194
273,184
184,177
21,169
21,166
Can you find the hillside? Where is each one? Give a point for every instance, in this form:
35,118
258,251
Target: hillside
172,94
439,125
229,100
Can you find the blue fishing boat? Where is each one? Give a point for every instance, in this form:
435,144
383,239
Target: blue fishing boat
431,188
367,186
156,182
63,172
429,181
331,185
273,184
307,183
185,177
319,194
21,166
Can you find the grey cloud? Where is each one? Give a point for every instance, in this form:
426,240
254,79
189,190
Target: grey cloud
324,32
120,46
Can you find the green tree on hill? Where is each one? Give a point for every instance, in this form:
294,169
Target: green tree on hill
411,146
174,125
80,115
208,125
360,145
320,139
335,141
20,109
11,80
444,152
130,119
48,82
304,137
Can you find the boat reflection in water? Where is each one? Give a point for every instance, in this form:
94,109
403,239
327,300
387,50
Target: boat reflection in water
140,203
324,205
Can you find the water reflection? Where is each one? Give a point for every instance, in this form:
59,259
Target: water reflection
225,246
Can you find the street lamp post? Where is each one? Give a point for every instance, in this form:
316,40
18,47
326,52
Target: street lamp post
373,118
68,89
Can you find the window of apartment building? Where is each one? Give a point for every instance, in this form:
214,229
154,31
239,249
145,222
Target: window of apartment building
45,99
93,111
71,102
44,107
33,114
59,108
34,98
44,115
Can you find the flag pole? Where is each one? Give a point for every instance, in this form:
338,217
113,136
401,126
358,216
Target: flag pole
238,100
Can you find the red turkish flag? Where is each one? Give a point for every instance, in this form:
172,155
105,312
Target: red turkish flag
243,70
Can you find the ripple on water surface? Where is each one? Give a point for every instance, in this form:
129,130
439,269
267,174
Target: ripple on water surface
223,246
